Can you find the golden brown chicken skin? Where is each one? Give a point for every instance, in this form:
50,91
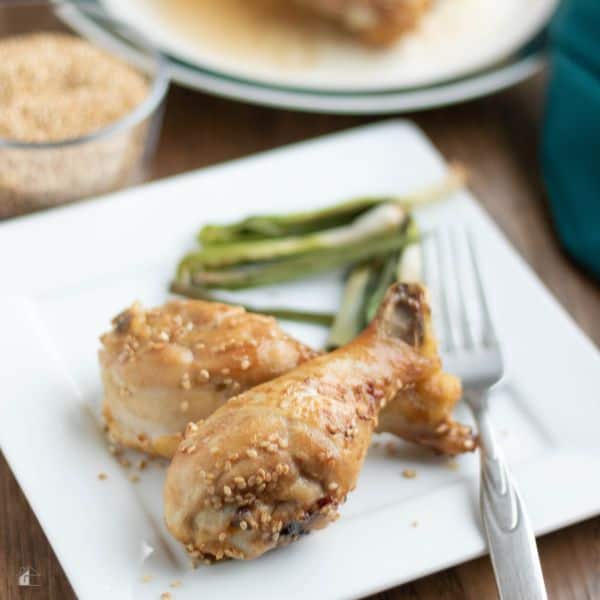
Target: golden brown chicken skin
277,461
165,367
378,22
422,414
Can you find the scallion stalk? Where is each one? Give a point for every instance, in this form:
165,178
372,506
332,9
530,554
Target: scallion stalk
315,318
378,221
386,277
349,321
260,227
290,268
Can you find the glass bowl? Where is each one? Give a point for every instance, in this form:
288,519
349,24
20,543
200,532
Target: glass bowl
37,175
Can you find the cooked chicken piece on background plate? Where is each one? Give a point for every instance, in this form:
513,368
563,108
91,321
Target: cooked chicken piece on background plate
164,367
378,22
276,462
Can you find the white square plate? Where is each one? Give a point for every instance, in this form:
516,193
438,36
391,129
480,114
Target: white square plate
67,272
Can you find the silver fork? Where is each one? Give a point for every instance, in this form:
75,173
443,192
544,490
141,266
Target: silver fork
470,349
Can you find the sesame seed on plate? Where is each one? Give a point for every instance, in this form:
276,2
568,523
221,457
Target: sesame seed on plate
124,462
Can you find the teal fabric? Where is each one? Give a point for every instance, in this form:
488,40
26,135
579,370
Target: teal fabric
571,133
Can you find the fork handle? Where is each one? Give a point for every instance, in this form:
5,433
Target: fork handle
510,537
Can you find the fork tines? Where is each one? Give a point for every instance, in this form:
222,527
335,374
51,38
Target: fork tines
451,271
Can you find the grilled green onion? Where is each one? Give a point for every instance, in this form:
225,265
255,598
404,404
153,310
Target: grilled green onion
316,318
295,267
385,278
349,321
376,222
260,227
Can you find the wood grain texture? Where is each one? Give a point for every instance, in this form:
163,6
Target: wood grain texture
497,139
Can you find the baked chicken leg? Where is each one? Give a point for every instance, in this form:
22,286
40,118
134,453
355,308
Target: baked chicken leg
276,462
164,367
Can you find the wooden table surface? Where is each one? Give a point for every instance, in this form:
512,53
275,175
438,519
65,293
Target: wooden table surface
497,138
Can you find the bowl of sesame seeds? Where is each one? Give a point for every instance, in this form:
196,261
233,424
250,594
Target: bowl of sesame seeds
77,119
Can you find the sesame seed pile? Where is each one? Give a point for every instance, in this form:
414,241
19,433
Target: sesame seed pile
56,87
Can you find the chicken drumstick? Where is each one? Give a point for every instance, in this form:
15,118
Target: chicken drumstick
277,461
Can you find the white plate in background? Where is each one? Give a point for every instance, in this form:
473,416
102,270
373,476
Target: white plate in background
244,40
393,102
71,269
526,64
